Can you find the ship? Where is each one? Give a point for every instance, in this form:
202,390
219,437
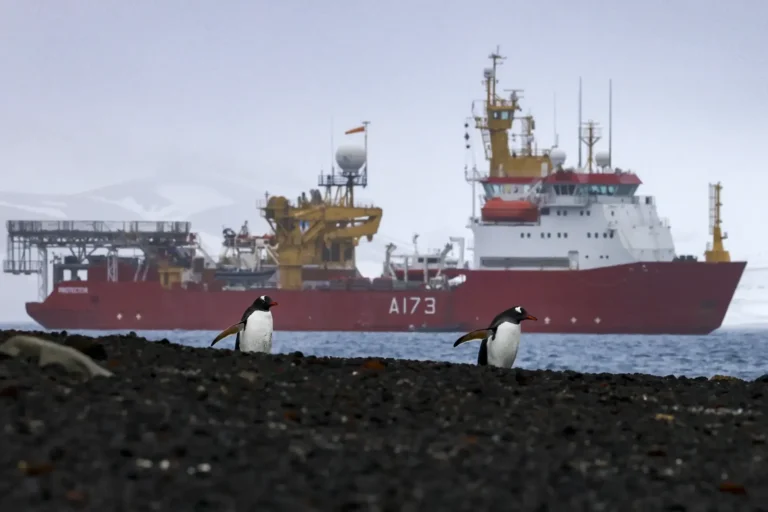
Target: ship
574,244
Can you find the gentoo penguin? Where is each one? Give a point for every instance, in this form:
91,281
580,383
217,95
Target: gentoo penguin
501,340
255,327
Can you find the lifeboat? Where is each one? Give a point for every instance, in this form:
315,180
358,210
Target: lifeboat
499,210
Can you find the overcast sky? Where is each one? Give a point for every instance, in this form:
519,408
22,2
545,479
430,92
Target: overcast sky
94,92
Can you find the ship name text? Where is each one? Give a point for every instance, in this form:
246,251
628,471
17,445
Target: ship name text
73,289
412,306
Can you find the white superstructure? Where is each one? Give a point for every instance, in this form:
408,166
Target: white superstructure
568,220
537,213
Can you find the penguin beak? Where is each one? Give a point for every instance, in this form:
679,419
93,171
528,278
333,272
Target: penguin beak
531,317
272,304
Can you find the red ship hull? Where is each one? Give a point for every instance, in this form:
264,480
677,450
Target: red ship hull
643,298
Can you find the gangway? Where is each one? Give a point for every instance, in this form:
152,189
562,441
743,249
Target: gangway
30,243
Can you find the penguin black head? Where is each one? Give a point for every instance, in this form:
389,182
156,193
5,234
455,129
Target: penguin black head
518,314
263,303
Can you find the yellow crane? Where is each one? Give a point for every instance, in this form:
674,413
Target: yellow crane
324,231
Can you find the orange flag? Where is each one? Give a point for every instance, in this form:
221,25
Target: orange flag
355,130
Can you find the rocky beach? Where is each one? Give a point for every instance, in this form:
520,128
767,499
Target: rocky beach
169,427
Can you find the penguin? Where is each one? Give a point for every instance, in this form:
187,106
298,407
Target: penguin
255,327
500,340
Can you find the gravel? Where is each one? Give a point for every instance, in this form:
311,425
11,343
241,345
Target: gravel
189,429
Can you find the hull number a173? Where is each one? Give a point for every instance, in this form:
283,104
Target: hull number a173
412,306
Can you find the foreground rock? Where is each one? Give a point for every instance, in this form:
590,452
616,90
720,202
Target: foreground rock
178,428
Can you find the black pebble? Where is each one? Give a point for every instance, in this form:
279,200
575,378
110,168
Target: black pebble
178,428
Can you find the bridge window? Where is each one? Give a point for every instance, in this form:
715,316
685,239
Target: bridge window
625,190
564,190
604,190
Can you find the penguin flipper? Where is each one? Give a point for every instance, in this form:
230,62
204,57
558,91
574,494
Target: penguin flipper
478,334
232,329
237,343
482,354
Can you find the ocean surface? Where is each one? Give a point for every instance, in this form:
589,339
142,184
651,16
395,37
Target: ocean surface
740,352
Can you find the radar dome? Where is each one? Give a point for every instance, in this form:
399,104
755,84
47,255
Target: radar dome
350,158
602,159
557,156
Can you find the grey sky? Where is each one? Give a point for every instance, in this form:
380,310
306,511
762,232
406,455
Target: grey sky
94,92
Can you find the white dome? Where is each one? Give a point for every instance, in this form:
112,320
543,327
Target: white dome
557,157
602,159
350,158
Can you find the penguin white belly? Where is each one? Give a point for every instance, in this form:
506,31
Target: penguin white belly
257,335
502,347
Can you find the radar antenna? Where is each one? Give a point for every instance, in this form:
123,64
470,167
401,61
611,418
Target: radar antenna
353,162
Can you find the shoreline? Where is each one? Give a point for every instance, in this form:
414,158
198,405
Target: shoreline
193,428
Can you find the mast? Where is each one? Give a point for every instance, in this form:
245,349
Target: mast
495,59
716,253
365,146
610,124
579,139
590,134
333,148
554,120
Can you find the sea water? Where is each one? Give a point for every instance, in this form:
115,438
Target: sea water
740,352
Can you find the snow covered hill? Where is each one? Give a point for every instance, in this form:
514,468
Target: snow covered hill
210,204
